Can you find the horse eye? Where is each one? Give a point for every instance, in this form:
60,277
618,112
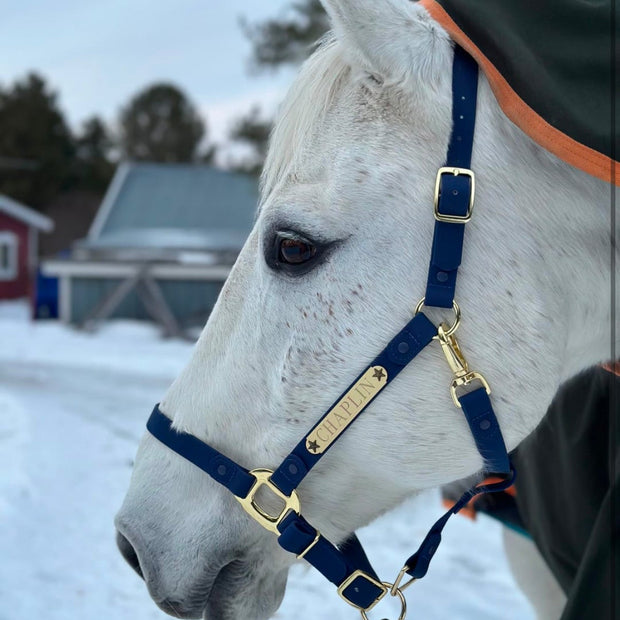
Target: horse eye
295,251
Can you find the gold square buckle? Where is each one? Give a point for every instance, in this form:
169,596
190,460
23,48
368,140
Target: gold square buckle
351,578
258,513
454,219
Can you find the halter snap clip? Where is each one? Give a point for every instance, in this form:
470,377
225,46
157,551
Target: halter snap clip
463,377
397,582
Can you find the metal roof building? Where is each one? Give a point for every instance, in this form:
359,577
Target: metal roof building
162,243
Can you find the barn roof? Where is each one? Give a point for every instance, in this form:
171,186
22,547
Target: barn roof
175,206
25,214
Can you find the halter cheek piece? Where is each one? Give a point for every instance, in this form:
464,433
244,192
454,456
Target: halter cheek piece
346,565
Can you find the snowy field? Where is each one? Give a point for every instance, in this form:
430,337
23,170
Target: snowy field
72,409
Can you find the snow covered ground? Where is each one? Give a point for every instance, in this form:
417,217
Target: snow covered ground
72,409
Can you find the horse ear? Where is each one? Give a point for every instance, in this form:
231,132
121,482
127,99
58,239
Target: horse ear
394,40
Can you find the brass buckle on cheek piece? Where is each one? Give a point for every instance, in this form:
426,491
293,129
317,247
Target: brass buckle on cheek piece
455,219
260,515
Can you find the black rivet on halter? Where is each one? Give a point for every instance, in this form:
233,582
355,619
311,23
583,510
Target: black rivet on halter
485,425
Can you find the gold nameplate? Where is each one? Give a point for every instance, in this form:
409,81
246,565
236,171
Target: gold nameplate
347,409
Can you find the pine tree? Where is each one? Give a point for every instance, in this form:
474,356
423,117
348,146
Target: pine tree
33,130
93,167
286,40
253,131
160,124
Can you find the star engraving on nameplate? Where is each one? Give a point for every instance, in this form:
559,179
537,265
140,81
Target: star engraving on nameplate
313,446
378,373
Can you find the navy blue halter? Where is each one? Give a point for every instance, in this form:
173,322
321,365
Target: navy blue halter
346,565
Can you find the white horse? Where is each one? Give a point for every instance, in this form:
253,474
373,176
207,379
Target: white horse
349,181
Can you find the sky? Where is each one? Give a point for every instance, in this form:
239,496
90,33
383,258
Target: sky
97,54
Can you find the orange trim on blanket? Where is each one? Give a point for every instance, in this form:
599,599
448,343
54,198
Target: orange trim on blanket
613,367
467,511
496,480
534,125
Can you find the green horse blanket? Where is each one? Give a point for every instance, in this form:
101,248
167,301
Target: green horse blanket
552,66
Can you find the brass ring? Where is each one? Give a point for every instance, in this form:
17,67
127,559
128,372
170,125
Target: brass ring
457,316
399,594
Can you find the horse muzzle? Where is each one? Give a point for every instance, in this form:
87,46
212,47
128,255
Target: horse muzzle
225,587
177,606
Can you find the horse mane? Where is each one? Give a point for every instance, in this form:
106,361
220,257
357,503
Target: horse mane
303,108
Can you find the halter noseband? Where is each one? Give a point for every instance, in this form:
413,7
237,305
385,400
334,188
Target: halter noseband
346,565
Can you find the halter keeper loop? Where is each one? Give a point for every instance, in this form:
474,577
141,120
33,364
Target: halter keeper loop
301,555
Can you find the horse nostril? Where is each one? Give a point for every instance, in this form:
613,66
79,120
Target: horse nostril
128,552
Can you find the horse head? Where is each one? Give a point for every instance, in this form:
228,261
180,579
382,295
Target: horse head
332,269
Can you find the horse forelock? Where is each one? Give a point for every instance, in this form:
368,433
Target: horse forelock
305,104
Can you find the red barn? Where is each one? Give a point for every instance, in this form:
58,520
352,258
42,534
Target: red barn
19,229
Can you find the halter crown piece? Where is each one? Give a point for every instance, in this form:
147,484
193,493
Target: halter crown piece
346,565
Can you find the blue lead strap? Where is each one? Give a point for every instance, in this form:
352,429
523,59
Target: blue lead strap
417,565
455,191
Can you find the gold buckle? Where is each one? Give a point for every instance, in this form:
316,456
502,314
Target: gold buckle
458,364
454,219
351,578
316,540
260,515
